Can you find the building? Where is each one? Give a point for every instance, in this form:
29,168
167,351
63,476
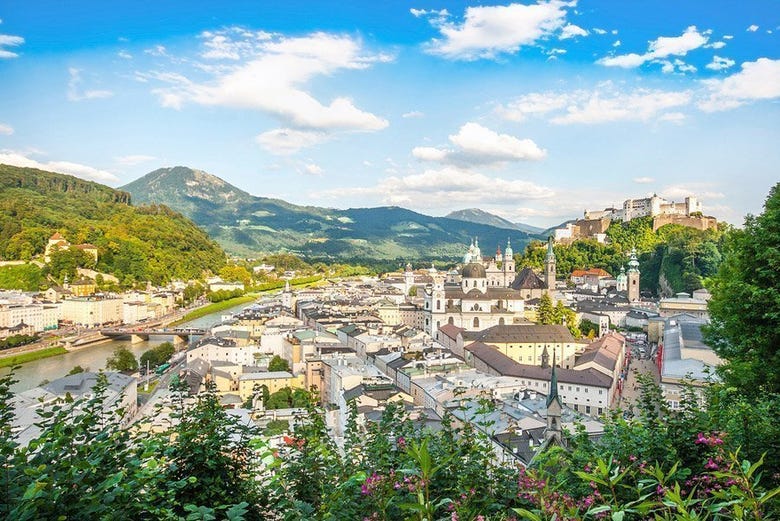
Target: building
684,303
633,278
92,311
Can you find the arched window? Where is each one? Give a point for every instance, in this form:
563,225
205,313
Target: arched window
451,321
476,322
438,304
501,321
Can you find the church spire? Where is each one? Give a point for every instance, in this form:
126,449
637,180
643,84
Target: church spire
553,395
550,253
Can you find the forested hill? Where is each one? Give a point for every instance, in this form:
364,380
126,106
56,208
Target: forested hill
135,244
674,258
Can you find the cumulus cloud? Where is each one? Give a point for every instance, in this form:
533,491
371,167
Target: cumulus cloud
644,180
758,80
488,31
312,169
571,30
715,45
271,74
66,167
132,160
661,47
478,145
602,105
678,192
718,63
598,30
9,40
448,187
753,28
6,130
75,92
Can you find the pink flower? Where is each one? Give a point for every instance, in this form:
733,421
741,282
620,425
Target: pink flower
711,465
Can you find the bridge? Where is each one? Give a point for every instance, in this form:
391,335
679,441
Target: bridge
180,336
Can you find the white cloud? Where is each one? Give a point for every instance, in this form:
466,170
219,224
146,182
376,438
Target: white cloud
703,191
6,130
232,43
312,169
157,50
602,105
674,117
9,40
753,28
413,114
477,145
644,180
598,30
719,63
125,55
571,30
661,47
66,167
715,45
132,160
487,31
728,36
616,43
448,187
758,80
74,88
285,141
274,78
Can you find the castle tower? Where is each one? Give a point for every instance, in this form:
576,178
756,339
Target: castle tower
549,268
553,433
633,277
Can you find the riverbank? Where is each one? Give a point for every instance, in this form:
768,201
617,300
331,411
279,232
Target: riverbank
214,308
13,360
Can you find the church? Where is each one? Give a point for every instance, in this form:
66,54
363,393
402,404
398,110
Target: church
486,292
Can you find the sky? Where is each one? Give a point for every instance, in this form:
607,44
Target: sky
531,111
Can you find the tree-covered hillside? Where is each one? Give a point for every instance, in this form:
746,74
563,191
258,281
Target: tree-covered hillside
134,243
673,258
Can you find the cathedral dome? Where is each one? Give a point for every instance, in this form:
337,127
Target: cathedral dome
473,270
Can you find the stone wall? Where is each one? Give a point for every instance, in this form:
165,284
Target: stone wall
699,223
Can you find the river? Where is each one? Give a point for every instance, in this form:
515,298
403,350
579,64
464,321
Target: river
94,357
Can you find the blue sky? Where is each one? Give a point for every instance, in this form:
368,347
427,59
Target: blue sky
533,111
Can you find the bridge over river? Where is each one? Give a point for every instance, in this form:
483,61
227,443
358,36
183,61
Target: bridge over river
180,335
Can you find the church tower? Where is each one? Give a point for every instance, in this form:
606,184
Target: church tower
508,265
622,280
633,277
287,296
549,268
553,433
408,278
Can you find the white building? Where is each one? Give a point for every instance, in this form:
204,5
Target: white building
92,311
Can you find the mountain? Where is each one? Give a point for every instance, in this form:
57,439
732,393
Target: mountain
136,244
475,215
247,225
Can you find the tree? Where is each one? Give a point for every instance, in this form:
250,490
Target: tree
745,304
278,363
76,370
545,314
122,360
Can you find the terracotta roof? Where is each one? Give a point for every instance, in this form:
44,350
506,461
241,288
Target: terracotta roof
57,236
527,279
86,246
451,331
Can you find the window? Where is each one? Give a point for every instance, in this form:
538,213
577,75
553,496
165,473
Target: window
587,409
501,321
601,391
438,304
476,322
450,321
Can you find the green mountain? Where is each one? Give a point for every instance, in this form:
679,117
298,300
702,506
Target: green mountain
135,244
475,215
247,225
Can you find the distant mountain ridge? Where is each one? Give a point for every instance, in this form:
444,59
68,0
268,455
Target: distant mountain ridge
247,225
475,215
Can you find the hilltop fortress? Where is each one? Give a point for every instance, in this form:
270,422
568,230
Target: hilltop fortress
594,223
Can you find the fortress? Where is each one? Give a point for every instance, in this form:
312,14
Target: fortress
595,222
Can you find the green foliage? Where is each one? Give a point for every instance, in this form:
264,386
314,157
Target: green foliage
76,370
675,256
157,355
134,244
545,313
122,359
278,363
236,273
745,304
17,340
10,361
224,294
286,397
25,277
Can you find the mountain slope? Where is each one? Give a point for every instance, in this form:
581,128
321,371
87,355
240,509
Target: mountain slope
245,224
134,243
475,215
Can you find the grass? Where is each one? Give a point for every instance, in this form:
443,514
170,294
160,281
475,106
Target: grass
213,308
33,355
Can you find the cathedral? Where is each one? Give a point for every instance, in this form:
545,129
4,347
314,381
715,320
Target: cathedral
485,292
